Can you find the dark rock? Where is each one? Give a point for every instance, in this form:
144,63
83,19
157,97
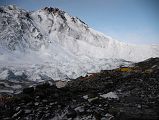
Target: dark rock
2,11
28,90
71,113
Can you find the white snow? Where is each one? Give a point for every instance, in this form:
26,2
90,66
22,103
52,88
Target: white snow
6,91
85,97
111,95
59,46
4,74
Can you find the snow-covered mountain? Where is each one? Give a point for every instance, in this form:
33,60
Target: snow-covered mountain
51,44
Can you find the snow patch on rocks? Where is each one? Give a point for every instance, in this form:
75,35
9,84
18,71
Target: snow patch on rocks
110,95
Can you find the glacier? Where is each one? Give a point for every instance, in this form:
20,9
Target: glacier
50,44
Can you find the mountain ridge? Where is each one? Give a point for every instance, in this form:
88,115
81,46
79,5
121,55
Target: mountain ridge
51,42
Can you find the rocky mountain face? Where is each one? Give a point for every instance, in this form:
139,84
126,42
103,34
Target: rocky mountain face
126,93
51,44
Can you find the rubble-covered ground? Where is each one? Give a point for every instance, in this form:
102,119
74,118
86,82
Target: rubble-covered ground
121,94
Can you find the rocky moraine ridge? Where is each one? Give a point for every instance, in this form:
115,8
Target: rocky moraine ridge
125,93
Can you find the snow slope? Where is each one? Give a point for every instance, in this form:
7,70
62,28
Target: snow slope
51,44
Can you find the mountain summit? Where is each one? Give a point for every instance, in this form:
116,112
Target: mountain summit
49,42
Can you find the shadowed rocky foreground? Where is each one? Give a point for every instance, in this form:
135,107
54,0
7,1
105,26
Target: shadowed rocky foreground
126,93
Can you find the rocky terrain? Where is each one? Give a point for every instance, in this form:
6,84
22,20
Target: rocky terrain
126,93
